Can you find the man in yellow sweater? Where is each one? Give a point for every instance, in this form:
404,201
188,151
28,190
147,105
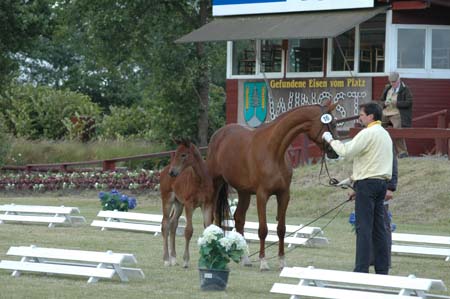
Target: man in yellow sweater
371,152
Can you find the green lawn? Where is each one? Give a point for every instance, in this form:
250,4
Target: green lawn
421,205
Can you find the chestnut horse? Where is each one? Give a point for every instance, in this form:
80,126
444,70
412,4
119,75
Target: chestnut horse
184,182
256,162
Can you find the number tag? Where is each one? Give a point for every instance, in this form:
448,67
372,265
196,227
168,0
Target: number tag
326,118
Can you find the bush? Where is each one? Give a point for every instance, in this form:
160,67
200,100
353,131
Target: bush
43,112
125,121
5,143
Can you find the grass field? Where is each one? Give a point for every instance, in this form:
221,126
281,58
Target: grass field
421,205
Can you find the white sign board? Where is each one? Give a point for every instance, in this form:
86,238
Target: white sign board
248,7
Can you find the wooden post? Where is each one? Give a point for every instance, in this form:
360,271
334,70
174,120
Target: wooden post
109,165
441,147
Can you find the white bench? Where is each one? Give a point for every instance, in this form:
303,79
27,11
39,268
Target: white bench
428,245
351,285
298,234
92,264
134,221
40,214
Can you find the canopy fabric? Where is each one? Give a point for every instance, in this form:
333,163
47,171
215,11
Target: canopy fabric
282,26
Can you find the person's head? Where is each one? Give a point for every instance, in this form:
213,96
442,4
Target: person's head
369,112
394,79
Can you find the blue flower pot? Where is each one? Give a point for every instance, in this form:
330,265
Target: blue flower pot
213,280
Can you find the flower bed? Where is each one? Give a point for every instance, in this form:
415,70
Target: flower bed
99,180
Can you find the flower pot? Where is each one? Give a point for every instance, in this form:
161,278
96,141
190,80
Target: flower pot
213,280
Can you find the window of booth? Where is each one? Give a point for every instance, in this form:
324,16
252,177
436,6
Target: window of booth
271,56
372,36
411,48
305,55
343,46
440,49
424,49
244,57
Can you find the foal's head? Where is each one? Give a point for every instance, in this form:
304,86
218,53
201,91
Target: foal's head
324,121
184,157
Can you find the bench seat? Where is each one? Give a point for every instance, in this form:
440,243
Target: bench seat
92,264
134,222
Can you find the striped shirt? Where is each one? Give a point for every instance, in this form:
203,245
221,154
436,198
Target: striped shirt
371,152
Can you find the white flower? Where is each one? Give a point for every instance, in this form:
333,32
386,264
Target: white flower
238,239
226,243
210,234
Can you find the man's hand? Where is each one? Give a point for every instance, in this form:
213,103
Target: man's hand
352,196
389,195
327,137
345,183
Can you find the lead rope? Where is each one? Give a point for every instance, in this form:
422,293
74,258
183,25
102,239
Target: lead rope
341,206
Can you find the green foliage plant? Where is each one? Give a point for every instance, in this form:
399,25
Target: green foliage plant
218,249
125,122
39,112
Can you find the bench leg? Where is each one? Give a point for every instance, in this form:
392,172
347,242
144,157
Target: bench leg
16,273
122,275
94,279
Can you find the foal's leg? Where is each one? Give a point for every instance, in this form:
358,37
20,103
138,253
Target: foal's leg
177,210
239,220
188,231
167,202
261,203
283,201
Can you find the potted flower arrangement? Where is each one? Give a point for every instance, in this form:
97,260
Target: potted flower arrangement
115,201
216,251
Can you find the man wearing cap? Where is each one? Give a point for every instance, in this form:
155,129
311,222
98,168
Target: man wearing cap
397,109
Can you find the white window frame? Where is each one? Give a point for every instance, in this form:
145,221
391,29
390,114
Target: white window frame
427,71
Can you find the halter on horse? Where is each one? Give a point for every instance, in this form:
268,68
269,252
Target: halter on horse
256,162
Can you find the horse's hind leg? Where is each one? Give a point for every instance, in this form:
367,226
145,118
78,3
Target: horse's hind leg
189,209
176,213
239,220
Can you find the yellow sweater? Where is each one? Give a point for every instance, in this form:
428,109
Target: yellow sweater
371,152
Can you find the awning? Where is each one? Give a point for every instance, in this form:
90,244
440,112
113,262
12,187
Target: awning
282,26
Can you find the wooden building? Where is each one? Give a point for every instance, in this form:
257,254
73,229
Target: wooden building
286,53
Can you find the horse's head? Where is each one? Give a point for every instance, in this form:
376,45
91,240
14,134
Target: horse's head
324,121
184,157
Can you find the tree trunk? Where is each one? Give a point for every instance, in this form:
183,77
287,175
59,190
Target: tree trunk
203,80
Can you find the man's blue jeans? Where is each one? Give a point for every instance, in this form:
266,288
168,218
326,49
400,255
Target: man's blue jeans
370,227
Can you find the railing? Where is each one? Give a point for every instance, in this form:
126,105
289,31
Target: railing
441,134
108,164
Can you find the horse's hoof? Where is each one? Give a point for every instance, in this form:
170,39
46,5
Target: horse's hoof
185,265
173,261
166,263
282,262
264,266
245,261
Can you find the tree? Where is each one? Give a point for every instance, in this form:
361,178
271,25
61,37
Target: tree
21,22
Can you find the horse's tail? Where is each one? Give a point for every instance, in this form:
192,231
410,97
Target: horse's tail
222,206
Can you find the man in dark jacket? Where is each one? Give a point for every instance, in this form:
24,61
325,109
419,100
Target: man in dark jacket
397,109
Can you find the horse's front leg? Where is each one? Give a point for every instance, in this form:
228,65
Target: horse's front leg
283,201
177,210
188,231
167,202
239,220
261,203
